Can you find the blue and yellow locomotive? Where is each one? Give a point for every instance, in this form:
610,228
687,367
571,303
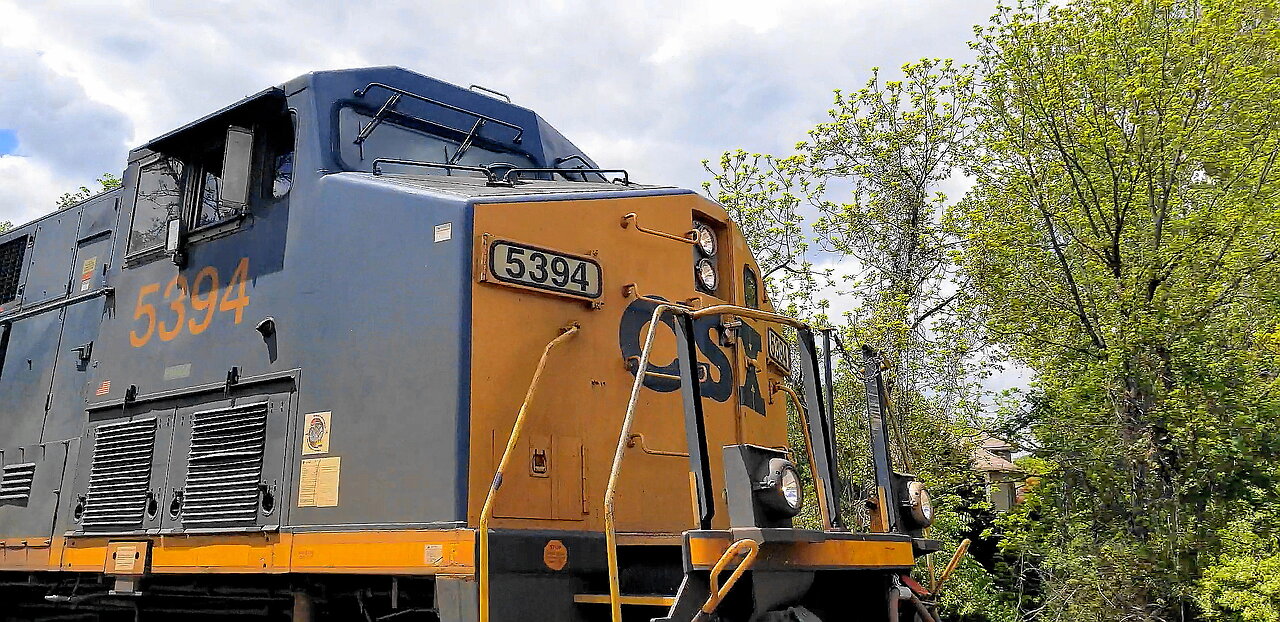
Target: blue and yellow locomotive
371,346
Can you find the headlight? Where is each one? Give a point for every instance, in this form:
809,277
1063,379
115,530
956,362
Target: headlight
791,490
706,239
921,506
781,490
706,274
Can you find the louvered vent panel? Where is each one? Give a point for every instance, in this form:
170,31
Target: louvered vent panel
11,254
15,482
120,474
225,465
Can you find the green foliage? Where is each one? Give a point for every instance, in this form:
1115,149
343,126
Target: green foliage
5,226
870,178
1120,243
1244,583
1118,240
106,182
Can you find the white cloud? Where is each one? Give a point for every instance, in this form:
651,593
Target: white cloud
653,87
27,189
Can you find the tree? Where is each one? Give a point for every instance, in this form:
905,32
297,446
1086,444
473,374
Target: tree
872,175
1120,241
106,182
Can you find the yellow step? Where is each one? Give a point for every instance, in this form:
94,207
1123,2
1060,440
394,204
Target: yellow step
626,599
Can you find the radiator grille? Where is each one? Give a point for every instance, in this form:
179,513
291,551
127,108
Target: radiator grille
15,482
121,473
11,254
225,465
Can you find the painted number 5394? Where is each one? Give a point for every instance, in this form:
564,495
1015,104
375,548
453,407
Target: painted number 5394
201,294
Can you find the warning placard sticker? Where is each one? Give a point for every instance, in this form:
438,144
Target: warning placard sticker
86,273
318,482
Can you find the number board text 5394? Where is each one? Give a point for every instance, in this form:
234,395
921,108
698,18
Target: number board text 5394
554,272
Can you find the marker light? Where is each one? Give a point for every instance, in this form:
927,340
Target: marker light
706,273
706,239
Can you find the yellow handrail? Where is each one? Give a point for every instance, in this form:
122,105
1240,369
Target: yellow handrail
487,512
610,534
638,439
691,237
717,591
951,566
755,314
808,444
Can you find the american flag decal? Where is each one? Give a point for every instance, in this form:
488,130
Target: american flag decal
104,388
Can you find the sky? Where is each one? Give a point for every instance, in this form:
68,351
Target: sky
652,87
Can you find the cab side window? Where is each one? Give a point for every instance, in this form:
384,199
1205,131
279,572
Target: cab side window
750,288
200,185
159,200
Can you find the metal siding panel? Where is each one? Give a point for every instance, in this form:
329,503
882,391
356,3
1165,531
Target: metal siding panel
52,257
66,418
99,215
34,517
26,377
377,324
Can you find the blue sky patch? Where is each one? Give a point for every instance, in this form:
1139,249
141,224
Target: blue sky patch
8,141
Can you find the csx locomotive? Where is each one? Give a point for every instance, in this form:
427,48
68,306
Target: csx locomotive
370,346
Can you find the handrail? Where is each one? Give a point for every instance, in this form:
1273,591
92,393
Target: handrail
378,162
755,314
638,438
506,179
717,591
519,130
610,534
689,238
486,513
951,566
808,444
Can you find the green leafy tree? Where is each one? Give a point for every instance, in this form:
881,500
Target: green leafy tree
1120,241
870,178
106,182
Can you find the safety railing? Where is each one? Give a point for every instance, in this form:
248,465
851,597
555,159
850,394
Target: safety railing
818,435
819,482
486,513
746,549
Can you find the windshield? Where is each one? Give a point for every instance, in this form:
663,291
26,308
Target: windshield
394,140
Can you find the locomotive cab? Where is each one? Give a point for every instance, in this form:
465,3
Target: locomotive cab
367,343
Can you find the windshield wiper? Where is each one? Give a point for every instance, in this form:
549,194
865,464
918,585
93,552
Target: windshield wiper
377,119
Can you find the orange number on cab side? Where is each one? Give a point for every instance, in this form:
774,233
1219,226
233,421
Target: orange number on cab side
148,310
204,302
178,306
234,298
239,280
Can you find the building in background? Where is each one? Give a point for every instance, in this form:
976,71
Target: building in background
993,458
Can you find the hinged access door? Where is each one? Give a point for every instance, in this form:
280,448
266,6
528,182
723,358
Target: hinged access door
228,464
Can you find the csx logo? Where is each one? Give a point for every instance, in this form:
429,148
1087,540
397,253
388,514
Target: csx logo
716,383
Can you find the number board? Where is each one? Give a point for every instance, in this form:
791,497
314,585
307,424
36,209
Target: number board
546,270
779,351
